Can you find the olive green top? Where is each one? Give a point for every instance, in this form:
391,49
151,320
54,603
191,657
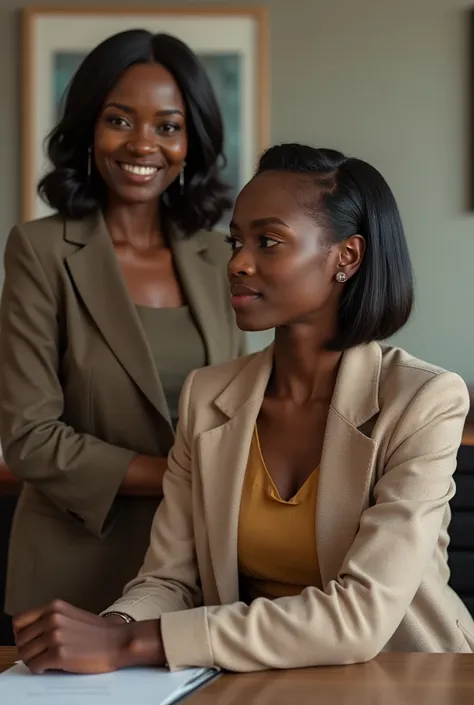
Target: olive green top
174,360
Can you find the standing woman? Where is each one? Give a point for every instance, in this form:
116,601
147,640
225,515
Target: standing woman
107,306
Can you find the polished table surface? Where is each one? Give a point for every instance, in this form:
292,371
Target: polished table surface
391,679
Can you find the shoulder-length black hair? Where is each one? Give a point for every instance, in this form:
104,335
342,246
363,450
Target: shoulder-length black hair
351,197
67,188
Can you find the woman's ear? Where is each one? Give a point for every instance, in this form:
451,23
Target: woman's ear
351,254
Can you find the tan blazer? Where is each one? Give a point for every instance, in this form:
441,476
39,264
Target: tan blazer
80,396
389,452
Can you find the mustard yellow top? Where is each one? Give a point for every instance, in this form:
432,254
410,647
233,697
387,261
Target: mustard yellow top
277,539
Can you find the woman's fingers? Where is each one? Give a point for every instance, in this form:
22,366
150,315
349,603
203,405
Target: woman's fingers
31,650
20,621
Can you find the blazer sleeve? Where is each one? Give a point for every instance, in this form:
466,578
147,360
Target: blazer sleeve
79,473
169,578
355,616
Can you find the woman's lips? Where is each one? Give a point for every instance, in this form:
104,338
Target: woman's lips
138,173
243,300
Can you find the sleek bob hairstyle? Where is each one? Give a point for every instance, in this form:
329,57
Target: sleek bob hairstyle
351,197
67,187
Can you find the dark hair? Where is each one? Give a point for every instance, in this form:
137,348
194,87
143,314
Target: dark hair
67,187
351,197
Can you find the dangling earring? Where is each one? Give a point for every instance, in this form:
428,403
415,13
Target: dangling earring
89,162
181,179
341,277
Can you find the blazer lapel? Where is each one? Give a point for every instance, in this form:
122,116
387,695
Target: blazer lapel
348,457
95,271
200,277
223,454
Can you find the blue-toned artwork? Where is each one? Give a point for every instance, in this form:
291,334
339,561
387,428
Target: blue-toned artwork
225,73
65,65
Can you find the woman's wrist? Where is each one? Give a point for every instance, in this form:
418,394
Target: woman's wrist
143,645
144,476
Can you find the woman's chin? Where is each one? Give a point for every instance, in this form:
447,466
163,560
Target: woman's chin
249,324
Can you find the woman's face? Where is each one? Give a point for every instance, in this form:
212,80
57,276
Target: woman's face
283,268
140,139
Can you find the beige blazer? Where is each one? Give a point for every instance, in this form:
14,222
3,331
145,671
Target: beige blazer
80,396
388,457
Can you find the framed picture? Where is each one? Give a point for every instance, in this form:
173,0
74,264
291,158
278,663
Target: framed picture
231,44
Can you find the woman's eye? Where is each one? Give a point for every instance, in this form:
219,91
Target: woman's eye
233,242
267,242
168,129
118,121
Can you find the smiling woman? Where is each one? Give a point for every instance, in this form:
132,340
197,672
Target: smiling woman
106,307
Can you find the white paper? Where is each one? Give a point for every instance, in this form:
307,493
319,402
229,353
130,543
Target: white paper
132,686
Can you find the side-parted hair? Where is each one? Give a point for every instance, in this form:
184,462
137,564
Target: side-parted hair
67,188
351,197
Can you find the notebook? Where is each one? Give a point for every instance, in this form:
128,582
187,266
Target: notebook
145,686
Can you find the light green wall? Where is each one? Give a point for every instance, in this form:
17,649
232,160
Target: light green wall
384,80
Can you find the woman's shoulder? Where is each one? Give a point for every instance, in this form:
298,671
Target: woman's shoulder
234,380
49,240
218,377
43,235
50,226
405,377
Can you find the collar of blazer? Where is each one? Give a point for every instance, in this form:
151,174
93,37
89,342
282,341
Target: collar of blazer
96,273
346,468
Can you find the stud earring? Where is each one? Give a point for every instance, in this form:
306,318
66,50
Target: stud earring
89,162
341,277
181,178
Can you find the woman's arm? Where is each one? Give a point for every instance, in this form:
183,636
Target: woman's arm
80,473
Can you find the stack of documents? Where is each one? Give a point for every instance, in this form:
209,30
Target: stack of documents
132,686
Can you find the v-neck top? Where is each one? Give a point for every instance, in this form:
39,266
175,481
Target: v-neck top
177,348
277,550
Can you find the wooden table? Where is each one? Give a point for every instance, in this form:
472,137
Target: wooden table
391,679
7,657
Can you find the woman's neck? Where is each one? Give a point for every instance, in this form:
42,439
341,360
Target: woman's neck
140,226
304,369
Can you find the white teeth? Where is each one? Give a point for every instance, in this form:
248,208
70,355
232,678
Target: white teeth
140,170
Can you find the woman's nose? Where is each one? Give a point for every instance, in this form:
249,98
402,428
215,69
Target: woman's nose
242,263
142,144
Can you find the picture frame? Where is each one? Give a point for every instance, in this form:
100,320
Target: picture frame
232,44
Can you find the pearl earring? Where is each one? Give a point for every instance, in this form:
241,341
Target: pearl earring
341,277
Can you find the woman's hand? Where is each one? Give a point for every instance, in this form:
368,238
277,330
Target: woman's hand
63,637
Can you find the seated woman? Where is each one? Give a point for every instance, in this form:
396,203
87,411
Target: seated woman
307,494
